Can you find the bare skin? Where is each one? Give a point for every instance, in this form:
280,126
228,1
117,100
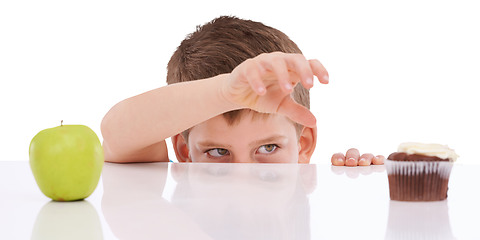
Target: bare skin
353,158
135,129
251,140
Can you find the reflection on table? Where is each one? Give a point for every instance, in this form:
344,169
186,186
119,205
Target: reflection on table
210,201
419,220
354,172
67,220
233,201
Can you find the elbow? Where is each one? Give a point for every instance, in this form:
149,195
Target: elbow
106,134
105,125
107,131
107,153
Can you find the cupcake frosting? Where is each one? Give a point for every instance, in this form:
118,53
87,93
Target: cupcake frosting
435,150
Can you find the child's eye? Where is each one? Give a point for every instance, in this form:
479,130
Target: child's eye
266,149
217,152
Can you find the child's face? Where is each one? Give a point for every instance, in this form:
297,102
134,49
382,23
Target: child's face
258,140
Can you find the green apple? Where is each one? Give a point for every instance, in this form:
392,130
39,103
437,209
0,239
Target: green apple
66,161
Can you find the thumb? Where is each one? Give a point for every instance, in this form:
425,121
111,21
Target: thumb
296,112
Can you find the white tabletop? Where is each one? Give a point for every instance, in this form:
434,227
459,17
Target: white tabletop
237,201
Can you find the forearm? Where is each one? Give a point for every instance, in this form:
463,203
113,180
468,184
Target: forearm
148,118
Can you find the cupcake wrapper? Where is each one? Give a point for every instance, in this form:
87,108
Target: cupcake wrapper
419,180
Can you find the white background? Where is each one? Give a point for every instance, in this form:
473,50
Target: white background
400,71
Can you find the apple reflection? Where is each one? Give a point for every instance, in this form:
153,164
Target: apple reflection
67,220
419,220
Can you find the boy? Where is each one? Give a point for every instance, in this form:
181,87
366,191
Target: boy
237,93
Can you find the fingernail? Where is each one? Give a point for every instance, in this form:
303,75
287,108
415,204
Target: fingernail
326,77
362,160
351,160
288,86
309,81
261,90
340,161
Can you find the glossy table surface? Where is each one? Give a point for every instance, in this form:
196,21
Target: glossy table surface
237,201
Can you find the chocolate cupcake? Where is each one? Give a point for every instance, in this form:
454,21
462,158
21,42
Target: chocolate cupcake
419,172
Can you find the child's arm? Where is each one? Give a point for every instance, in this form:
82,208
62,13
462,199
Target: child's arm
134,130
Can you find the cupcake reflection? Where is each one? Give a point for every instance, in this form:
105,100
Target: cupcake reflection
67,220
418,220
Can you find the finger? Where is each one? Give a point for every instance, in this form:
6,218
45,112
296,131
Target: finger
365,159
278,67
338,159
378,160
299,64
351,158
253,77
319,71
296,112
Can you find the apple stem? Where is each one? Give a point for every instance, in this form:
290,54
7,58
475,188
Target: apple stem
61,123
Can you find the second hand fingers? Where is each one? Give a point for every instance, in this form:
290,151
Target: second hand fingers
338,159
378,160
365,159
351,157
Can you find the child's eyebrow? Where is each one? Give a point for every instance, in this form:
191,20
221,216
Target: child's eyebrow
211,144
272,139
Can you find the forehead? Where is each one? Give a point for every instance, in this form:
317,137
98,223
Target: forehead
245,127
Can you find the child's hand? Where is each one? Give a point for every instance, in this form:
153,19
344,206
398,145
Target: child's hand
352,158
264,84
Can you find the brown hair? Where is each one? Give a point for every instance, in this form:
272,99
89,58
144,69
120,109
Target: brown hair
220,45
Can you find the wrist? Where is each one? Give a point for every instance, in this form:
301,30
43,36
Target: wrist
225,98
